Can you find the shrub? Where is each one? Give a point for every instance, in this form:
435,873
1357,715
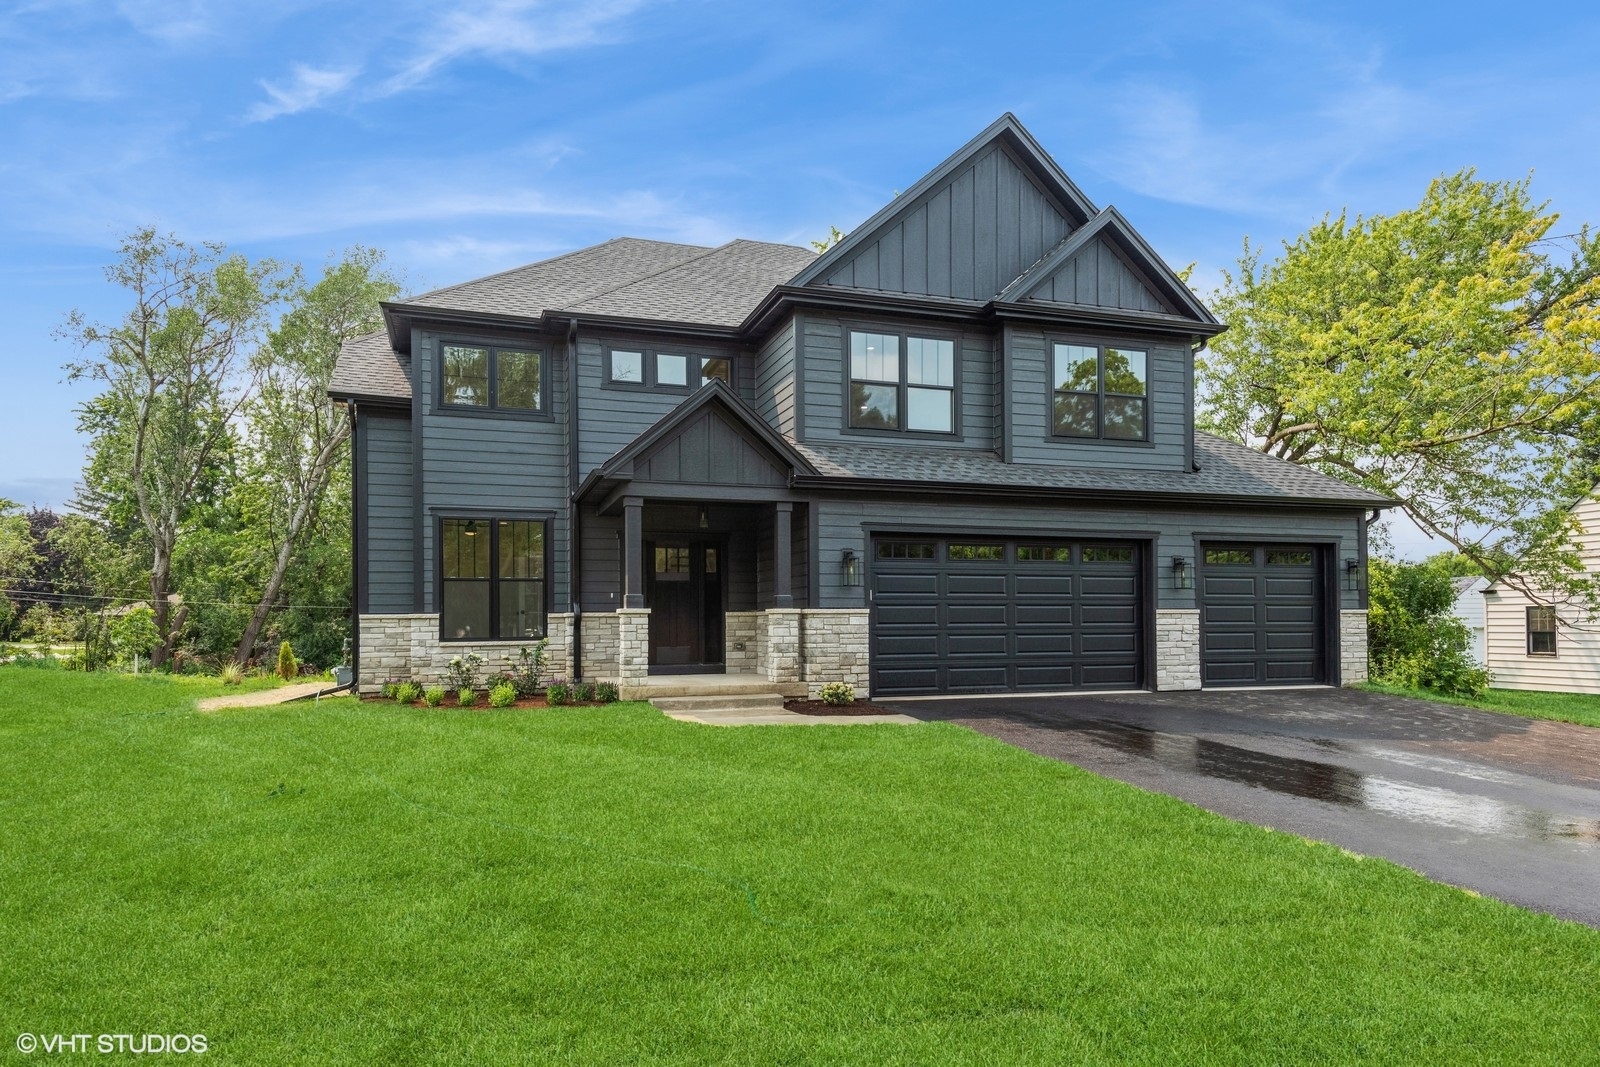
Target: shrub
41,660
529,669
133,633
583,692
837,694
288,669
503,696
558,692
231,674
1413,639
407,693
605,692
497,679
387,690
433,696
463,671
466,698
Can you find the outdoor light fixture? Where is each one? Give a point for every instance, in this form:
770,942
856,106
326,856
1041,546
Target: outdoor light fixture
1352,574
850,565
1181,578
472,528
704,522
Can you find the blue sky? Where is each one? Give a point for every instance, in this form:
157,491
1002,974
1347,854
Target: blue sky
467,138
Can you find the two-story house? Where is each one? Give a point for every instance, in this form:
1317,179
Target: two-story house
953,453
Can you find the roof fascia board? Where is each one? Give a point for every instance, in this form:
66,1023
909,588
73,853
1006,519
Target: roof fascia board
1087,315
1005,127
398,403
920,488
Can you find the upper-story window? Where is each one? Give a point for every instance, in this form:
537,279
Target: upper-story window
489,376
1100,391
900,381
672,371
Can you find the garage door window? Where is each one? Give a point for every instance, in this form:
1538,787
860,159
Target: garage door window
1230,557
905,550
1289,558
972,552
1044,554
1104,554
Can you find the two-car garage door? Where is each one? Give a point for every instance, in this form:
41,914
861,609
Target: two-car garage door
984,614
981,614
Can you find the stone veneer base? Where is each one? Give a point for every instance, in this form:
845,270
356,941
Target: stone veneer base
1352,647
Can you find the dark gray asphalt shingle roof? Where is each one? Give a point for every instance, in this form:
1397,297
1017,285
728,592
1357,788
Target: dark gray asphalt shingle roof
1226,469
368,366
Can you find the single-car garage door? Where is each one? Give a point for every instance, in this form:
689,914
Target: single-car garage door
1261,615
980,613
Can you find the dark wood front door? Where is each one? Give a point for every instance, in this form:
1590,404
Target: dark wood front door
684,591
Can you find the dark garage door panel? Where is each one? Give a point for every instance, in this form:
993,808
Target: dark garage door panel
952,625
1262,622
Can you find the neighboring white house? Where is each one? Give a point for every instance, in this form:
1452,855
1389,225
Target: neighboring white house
1549,646
1468,608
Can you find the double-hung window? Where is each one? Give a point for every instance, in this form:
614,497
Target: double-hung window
491,377
492,579
1099,391
669,371
900,381
1541,631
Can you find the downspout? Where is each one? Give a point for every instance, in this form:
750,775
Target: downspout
1366,520
355,557
574,519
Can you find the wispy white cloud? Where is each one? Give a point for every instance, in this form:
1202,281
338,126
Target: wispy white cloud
308,87
502,30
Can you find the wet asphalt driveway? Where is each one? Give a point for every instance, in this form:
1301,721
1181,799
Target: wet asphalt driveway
1506,806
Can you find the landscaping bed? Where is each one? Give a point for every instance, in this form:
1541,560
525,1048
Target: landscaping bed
481,703
805,706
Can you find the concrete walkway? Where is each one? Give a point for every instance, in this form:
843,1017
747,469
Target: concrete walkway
779,717
281,695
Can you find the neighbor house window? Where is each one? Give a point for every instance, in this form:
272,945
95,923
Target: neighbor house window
1541,631
902,382
488,376
1099,391
492,586
674,372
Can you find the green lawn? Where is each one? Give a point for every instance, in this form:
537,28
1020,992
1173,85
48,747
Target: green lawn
1581,708
357,883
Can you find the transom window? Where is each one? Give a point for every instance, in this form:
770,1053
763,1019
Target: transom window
488,376
1099,391
493,579
667,370
902,382
1541,631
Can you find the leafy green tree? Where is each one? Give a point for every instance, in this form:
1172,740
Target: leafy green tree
1413,639
296,439
175,373
1447,356
134,633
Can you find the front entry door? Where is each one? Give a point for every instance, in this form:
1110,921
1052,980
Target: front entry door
684,591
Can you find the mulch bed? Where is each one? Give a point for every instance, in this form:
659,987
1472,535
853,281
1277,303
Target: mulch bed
817,707
483,703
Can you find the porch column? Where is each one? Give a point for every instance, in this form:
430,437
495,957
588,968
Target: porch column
633,552
782,555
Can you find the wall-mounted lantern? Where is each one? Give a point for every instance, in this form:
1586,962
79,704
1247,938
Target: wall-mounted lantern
472,528
1352,575
1182,576
850,567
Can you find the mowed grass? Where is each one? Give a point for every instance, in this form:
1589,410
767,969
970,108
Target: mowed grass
1580,708
357,883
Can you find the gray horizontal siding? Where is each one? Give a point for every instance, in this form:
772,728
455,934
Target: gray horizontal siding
774,378
1028,370
968,237
509,464
825,367
612,418
389,536
843,524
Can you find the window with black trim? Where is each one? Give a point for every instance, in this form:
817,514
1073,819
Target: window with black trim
1542,631
903,382
492,579
491,377
664,369
1100,391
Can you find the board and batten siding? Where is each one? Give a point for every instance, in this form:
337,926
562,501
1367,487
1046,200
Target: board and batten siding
826,385
1575,668
844,523
1028,357
386,476
968,237
488,464
1098,277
